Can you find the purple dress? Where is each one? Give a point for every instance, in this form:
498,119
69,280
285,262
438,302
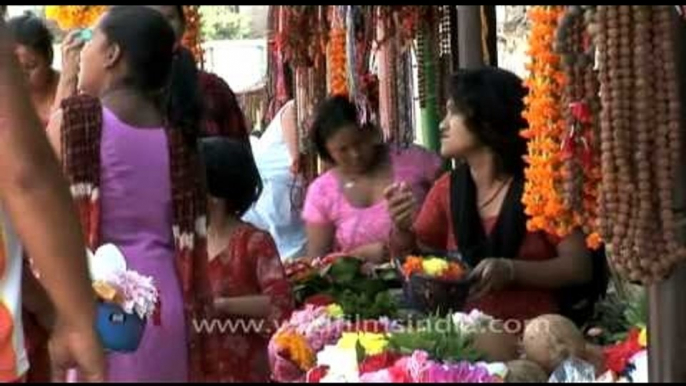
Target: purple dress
137,216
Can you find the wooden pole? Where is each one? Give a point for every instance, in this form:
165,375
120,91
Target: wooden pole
667,300
470,51
429,114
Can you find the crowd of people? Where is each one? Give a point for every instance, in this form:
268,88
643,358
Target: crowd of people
156,159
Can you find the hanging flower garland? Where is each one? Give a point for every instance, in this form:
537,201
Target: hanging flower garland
192,38
338,84
580,168
542,191
74,16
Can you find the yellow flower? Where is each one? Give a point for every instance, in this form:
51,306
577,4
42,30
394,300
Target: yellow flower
434,266
373,344
74,16
643,337
334,311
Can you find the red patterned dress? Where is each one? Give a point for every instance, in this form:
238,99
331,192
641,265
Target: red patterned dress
250,265
434,229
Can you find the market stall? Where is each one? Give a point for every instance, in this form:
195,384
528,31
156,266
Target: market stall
605,154
604,149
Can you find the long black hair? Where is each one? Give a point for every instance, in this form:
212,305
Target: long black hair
30,31
157,66
492,101
231,173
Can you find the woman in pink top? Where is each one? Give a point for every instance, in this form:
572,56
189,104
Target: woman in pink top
345,211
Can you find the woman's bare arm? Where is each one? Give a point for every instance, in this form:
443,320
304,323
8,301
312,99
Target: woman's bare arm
37,199
254,306
319,239
572,266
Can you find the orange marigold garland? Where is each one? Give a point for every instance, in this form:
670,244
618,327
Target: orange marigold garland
74,16
542,191
338,75
192,38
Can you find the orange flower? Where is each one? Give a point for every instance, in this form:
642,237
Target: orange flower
413,264
74,16
295,347
542,192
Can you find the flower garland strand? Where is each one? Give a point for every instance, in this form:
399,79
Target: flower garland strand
580,171
192,38
338,84
542,191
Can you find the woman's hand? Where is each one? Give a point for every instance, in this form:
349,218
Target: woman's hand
71,54
375,253
491,275
401,205
69,78
76,346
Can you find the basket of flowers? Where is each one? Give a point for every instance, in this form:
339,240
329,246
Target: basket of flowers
126,300
434,284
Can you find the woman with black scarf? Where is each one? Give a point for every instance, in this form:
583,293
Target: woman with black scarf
476,209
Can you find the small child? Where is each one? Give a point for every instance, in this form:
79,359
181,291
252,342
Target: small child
247,278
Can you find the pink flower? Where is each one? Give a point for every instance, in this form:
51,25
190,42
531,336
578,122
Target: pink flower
381,376
462,372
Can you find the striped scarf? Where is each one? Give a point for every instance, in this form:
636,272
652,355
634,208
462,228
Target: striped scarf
81,134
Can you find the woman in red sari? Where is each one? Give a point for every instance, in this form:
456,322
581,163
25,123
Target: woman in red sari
248,281
477,210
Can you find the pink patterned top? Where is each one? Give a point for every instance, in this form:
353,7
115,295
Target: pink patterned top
355,227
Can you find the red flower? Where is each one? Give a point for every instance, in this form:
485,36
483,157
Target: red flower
617,357
580,111
316,374
378,362
320,300
370,326
399,375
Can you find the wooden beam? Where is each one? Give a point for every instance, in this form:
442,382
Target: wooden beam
489,15
470,54
667,300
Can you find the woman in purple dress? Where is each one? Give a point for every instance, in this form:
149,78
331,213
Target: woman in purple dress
134,177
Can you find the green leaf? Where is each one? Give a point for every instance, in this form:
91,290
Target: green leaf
361,353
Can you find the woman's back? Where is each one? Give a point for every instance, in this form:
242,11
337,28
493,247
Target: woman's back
135,185
137,216
274,210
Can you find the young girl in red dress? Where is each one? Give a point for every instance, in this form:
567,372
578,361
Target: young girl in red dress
250,288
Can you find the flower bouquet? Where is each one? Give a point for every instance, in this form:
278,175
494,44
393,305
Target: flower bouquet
341,280
126,299
434,284
294,347
318,345
366,359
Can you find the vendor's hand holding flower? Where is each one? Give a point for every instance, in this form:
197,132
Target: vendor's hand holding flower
491,275
401,205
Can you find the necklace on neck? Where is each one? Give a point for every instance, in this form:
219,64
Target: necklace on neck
487,202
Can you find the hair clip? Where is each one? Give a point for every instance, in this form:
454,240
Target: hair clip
86,34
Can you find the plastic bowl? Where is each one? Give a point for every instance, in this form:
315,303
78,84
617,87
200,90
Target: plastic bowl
118,330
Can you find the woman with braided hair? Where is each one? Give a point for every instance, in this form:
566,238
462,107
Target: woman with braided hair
128,148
